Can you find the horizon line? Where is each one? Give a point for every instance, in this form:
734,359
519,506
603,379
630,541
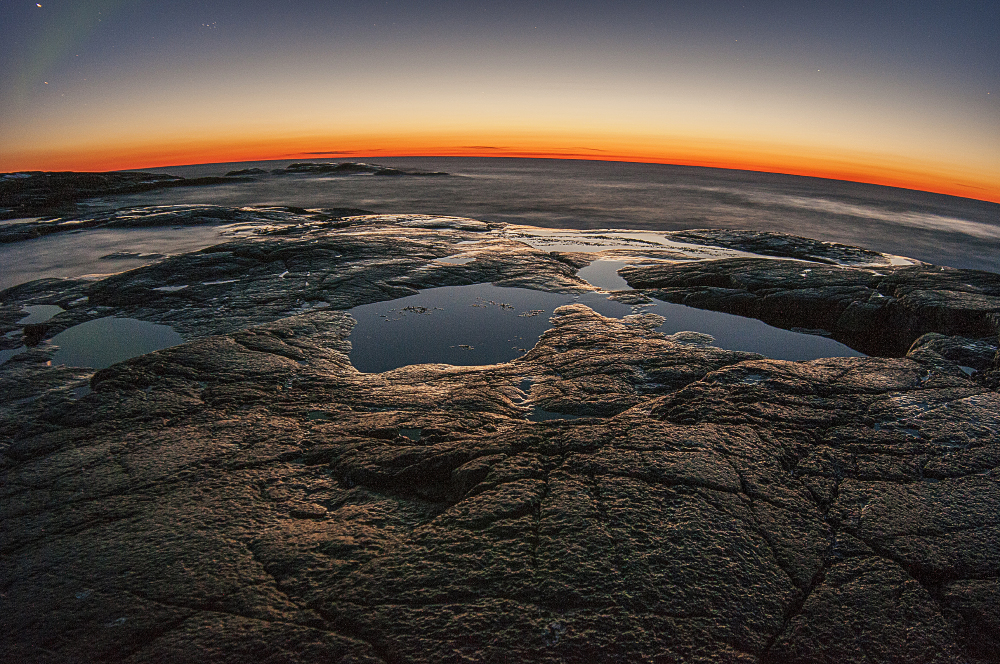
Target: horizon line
508,153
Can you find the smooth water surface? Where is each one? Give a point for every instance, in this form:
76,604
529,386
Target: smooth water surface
459,325
36,313
485,324
102,342
738,333
946,230
39,313
604,274
11,352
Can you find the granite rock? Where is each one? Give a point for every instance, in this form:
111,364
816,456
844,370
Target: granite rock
251,495
39,193
879,311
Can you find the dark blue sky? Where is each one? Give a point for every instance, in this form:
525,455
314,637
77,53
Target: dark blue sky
937,39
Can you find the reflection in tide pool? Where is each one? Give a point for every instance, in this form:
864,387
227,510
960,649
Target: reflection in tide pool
729,331
749,334
36,313
102,342
603,273
459,325
486,324
11,352
39,313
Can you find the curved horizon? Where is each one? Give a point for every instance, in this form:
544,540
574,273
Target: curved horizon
981,192
870,92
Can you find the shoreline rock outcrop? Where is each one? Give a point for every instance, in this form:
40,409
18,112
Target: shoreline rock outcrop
46,194
251,495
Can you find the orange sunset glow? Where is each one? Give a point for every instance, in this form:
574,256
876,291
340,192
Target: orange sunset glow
885,170
113,87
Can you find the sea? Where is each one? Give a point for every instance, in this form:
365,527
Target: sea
550,193
557,193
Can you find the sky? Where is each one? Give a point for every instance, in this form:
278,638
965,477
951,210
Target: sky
903,93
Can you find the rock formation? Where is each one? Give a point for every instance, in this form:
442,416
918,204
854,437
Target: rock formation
38,193
249,495
347,168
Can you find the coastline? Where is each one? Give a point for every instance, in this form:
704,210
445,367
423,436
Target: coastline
250,491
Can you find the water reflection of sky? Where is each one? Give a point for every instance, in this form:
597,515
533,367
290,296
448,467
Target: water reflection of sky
459,325
102,342
486,324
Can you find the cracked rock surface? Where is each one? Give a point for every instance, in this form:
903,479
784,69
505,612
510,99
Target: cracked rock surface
250,496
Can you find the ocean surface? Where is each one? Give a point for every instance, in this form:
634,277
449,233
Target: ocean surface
939,229
945,230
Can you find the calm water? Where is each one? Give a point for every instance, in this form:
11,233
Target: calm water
102,342
940,229
486,324
35,313
39,313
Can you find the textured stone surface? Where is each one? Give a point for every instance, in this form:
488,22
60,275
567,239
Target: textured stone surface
250,495
42,194
877,311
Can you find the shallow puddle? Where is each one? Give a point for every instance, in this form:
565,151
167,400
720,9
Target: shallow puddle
36,313
539,415
603,273
412,434
485,324
39,313
11,352
457,259
749,334
728,331
459,325
102,342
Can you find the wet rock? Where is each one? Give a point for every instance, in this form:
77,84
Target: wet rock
785,246
33,334
879,312
44,194
250,494
246,172
972,354
169,215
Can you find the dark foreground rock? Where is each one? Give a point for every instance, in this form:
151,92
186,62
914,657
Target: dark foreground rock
249,495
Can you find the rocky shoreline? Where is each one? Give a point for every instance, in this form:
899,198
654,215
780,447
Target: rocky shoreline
251,495
52,194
